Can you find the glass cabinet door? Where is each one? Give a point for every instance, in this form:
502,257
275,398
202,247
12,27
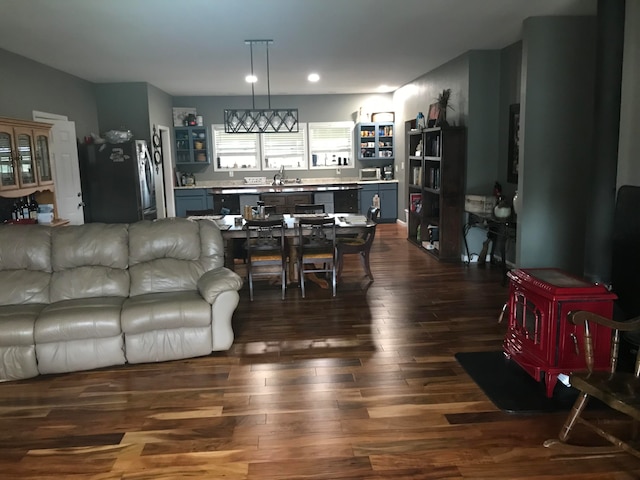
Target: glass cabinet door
26,160
43,161
8,177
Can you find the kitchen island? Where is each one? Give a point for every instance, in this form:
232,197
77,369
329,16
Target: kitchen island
337,196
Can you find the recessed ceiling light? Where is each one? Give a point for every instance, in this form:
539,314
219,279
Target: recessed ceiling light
251,79
313,77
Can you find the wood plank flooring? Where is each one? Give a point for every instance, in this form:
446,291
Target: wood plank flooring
364,386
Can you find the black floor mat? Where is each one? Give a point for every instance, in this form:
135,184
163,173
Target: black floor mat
512,389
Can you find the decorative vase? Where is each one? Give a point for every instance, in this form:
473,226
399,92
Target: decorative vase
517,203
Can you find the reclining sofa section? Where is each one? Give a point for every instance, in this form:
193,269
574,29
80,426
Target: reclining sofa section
88,296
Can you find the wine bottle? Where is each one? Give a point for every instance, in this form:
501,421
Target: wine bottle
25,208
15,211
33,208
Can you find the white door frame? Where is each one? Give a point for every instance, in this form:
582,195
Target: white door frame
165,195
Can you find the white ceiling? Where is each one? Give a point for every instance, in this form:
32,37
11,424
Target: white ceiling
196,47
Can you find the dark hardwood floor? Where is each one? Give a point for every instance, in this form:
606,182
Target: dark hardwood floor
364,386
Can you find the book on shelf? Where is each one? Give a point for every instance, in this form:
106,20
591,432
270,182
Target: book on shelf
415,201
417,176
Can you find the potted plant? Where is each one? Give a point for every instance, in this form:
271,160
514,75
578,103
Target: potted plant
443,104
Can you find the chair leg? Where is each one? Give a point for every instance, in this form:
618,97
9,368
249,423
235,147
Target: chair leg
340,262
301,275
576,410
364,256
334,277
250,282
283,278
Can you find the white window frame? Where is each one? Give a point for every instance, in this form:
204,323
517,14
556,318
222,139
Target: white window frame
235,150
296,159
339,149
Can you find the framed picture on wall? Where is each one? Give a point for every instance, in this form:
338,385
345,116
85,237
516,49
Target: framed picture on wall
513,159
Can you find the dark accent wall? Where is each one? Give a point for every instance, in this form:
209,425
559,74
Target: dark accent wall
602,200
124,106
483,126
556,149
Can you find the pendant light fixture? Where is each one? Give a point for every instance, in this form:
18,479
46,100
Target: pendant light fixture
260,120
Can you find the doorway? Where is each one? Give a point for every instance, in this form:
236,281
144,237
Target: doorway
66,171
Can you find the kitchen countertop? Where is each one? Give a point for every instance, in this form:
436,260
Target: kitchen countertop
306,185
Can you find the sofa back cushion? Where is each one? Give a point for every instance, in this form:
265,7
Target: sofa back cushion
25,264
171,254
89,260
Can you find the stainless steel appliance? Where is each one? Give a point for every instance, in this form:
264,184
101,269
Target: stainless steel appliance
388,172
118,182
370,174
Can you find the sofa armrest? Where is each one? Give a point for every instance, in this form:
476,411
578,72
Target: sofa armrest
214,282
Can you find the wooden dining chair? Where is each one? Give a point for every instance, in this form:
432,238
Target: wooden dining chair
316,245
358,244
309,208
619,390
265,245
200,213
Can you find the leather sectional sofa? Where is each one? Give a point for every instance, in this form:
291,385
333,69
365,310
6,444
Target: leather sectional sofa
87,296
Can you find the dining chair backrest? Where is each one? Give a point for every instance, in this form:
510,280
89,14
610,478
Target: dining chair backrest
309,208
316,245
199,213
264,235
265,245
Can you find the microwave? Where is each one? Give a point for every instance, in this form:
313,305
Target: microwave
369,174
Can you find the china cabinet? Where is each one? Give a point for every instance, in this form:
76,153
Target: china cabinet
24,155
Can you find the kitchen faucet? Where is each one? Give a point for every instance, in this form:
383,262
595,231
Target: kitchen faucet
278,178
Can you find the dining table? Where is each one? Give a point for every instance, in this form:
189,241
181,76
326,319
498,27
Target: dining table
232,227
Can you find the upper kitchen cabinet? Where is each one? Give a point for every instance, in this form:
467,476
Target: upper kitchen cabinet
24,155
192,146
375,141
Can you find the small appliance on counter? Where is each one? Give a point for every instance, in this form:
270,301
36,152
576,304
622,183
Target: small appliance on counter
388,172
371,174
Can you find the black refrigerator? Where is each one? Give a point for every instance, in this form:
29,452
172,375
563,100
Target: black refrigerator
118,182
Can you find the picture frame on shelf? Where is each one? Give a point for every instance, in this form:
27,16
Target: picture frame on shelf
433,115
513,158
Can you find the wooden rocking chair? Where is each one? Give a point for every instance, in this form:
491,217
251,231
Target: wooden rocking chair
619,390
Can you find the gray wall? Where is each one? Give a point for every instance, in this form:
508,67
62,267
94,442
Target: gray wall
311,108
26,85
417,96
556,153
124,106
629,151
483,126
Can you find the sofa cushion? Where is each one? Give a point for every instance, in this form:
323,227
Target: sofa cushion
171,254
158,311
89,261
77,319
17,323
17,344
25,266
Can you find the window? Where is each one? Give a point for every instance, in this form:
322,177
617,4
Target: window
285,149
330,144
235,151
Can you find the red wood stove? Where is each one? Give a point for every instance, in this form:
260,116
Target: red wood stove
539,336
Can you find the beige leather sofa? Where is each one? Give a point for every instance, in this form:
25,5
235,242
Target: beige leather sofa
88,296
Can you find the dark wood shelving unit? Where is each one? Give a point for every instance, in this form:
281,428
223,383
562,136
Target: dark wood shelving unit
436,170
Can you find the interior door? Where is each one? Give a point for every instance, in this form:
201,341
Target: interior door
66,171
